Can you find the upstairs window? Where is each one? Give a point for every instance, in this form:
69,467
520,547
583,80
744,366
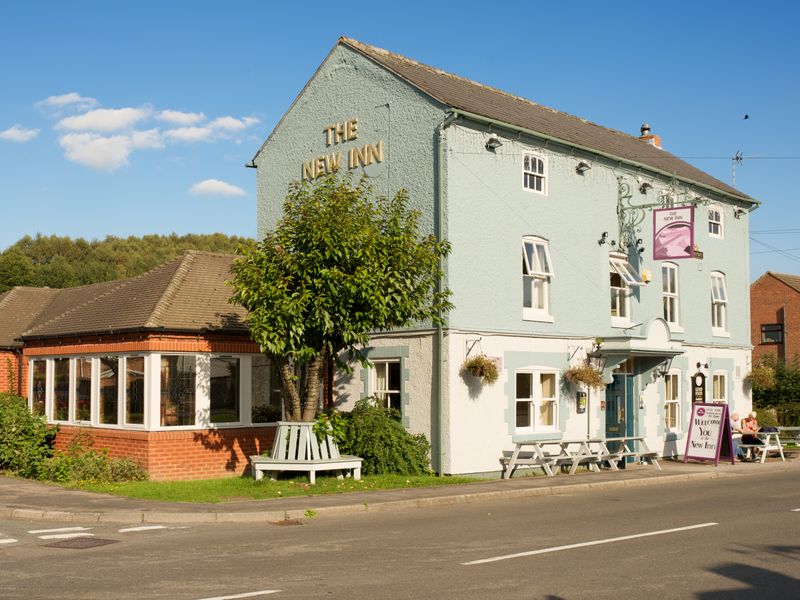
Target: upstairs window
669,286
534,174
622,277
772,333
719,303
715,222
536,274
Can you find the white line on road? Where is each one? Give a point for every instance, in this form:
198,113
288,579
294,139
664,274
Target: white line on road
796,510
584,544
65,536
143,528
8,541
60,530
246,595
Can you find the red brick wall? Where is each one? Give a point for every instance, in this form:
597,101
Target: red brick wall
196,454
772,301
9,369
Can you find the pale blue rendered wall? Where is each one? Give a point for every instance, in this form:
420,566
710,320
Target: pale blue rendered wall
348,85
489,212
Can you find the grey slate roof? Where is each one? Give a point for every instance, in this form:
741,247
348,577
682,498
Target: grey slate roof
469,96
186,294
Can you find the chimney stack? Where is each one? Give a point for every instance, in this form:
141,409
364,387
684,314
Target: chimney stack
647,137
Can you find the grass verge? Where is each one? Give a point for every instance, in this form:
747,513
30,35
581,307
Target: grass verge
233,489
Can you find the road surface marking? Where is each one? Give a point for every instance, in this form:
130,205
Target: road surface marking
8,541
245,595
65,536
60,530
584,544
796,510
143,528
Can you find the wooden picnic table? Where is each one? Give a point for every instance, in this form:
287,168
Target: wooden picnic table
549,453
772,443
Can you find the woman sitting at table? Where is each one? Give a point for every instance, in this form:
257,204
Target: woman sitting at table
749,427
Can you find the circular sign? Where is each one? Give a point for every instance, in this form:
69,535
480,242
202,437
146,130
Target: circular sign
700,411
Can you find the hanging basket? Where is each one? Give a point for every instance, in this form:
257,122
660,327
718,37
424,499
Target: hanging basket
585,374
482,367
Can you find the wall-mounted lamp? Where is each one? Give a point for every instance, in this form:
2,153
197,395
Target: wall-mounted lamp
493,143
639,245
738,212
663,367
604,240
701,365
644,187
582,167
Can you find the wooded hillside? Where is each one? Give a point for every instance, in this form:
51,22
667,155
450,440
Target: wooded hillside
58,262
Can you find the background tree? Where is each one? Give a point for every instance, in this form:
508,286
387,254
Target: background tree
58,262
341,264
783,393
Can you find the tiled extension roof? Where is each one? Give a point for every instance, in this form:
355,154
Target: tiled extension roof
19,309
793,281
499,106
186,294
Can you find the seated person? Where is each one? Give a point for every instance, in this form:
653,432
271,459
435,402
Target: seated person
750,426
736,430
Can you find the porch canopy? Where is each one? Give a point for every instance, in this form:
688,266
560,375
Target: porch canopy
650,342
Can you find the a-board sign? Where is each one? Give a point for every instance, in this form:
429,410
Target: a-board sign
710,437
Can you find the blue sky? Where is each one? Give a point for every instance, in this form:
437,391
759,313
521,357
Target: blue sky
138,117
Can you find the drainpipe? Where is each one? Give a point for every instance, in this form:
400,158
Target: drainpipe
439,227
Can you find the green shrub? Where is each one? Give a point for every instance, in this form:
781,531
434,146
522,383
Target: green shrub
25,440
377,435
81,462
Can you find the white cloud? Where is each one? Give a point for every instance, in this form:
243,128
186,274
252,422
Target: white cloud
181,118
107,153
232,124
104,119
188,134
215,187
73,98
18,133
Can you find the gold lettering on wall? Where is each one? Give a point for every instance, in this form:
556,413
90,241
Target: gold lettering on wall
346,131
338,133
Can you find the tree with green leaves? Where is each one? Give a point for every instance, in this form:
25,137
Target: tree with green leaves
341,264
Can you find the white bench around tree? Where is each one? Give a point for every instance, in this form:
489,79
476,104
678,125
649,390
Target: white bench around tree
296,448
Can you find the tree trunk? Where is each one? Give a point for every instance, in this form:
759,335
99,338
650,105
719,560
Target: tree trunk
311,400
285,368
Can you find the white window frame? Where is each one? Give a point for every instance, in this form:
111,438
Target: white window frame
536,400
629,278
670,295
536,278
672,402
716,222
719,305
723,377
385,362
534,167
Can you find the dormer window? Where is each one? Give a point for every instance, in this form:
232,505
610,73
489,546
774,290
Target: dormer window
534,174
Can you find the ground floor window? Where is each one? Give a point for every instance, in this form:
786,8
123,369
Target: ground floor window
83,389
38,386
109,390
224,395
672,405
719,387
386,382
178,382
536,404
61,389
134,390
267,391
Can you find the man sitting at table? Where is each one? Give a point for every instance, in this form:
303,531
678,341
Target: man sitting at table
736,429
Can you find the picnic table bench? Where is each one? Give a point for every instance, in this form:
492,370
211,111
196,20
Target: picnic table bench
771,443
296,448
550,453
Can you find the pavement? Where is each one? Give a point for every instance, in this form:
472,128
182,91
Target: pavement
31,500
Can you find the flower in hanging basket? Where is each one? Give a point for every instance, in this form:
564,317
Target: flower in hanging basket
585,374
483,367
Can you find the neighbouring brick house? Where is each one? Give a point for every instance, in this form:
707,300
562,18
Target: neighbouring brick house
775,315
159,368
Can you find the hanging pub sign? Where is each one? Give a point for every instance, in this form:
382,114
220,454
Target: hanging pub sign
698,387
710,437
673,233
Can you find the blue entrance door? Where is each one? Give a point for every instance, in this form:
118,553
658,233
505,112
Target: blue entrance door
620,420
